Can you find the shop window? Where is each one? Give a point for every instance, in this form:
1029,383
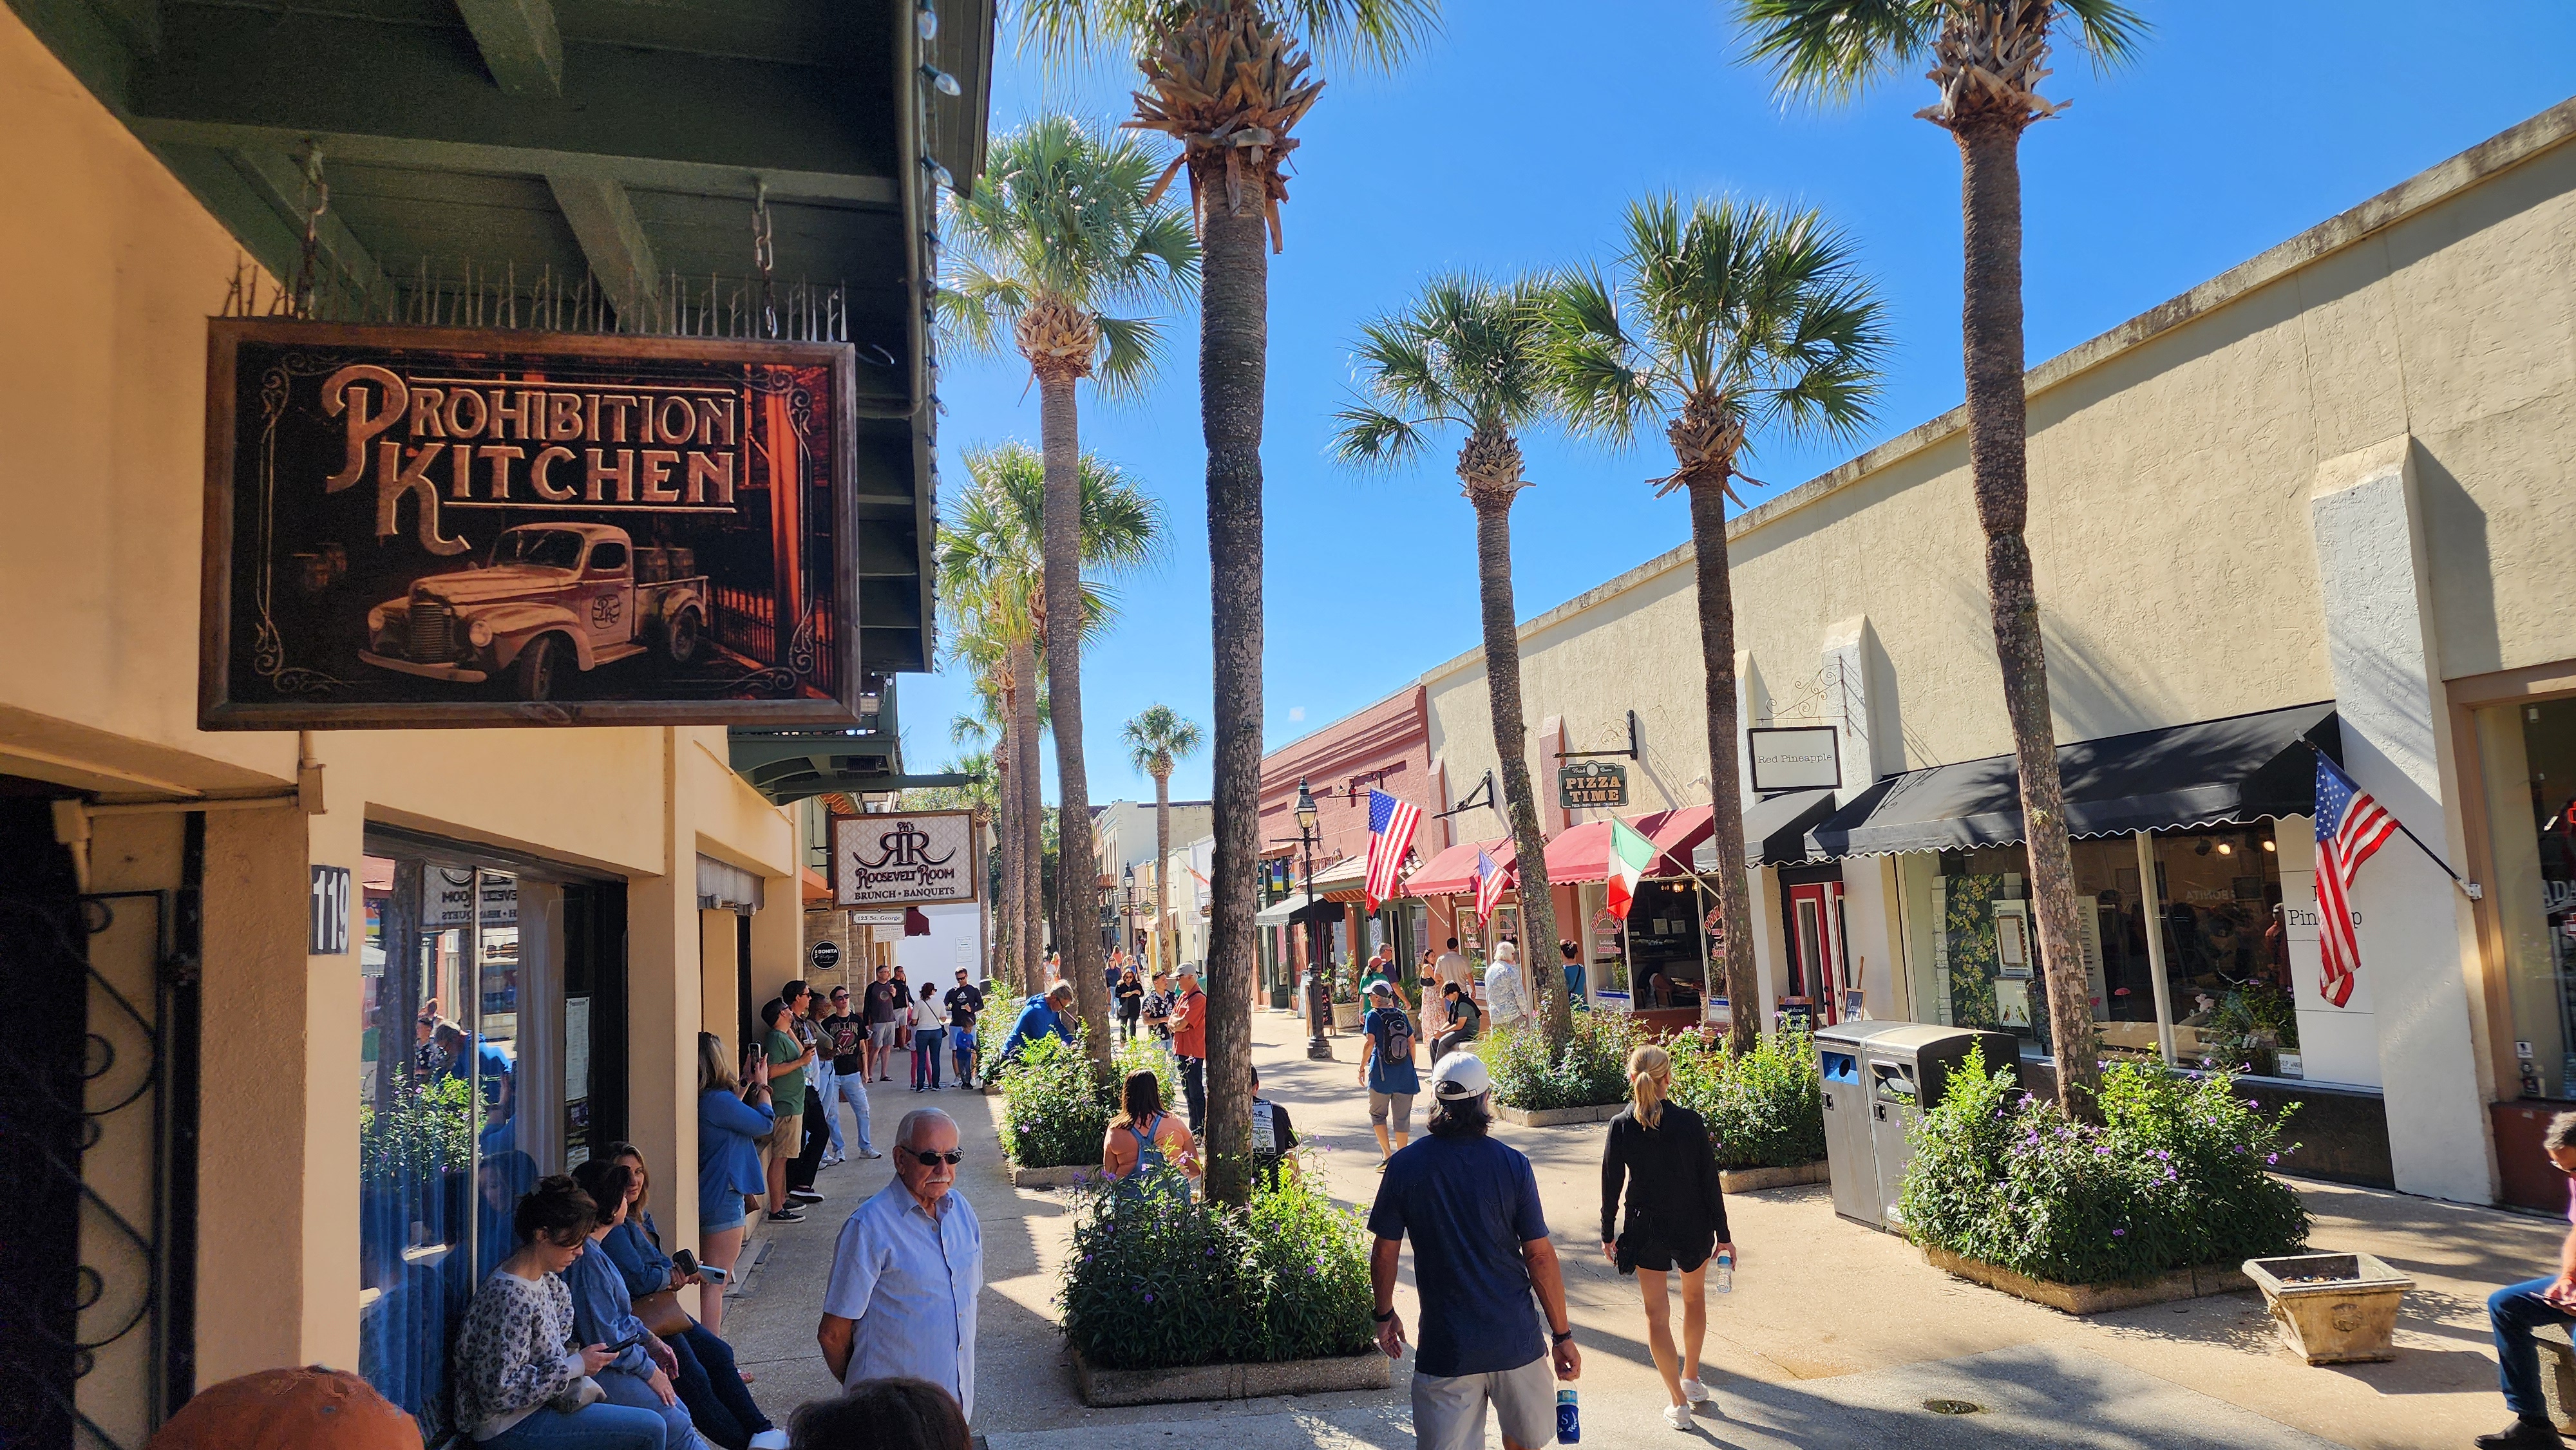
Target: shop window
488,1005
2529,754
2216,909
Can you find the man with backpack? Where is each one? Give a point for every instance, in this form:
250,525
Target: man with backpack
1386,1066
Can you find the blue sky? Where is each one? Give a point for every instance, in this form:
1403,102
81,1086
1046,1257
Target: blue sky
1514,140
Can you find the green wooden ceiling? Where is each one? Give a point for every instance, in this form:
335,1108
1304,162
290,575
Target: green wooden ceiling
619,140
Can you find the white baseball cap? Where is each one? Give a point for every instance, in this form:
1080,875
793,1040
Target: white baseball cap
1380,989
1460,1076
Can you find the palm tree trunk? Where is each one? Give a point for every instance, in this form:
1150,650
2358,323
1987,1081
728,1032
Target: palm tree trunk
1998,462
1024,739
1004,965
1725,787
1162,865
1234,342
1511,742
983,900
1077,865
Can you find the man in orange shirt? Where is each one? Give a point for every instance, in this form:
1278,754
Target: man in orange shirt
1189,1044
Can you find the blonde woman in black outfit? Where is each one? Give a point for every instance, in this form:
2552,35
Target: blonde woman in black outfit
1662,1155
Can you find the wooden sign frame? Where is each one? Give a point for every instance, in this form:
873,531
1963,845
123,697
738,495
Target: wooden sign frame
280,649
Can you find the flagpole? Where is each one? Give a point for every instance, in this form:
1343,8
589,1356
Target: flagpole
2470,889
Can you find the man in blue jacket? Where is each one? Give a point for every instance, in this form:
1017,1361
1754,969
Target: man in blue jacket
1052,1013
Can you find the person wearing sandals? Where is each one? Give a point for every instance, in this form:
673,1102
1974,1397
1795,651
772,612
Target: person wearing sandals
1661,1153
521,1383
1387,1070
1143,1137
709,1382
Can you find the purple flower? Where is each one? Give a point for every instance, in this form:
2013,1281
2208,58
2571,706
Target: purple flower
1149,1298
2119,1233
2271,1157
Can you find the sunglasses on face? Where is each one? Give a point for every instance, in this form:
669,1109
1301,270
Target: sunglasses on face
929,1159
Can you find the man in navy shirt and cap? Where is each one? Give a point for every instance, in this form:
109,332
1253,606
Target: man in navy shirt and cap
1494,1328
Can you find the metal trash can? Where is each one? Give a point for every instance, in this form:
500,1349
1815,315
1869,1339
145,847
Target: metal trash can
1851,1154
1879,1077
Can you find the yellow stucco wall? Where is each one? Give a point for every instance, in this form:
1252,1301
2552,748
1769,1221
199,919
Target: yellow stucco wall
114,266
2170,464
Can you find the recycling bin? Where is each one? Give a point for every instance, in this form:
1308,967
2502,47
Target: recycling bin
1879,1077
1850,1148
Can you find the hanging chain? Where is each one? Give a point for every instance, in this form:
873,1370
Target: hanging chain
762,254
317,199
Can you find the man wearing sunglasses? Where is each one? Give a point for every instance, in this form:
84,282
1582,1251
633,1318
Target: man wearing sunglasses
906,1271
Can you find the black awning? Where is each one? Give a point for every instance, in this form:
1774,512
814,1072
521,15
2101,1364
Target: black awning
1776,826
2242,768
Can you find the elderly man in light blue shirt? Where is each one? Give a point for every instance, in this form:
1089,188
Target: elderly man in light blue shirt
906,1271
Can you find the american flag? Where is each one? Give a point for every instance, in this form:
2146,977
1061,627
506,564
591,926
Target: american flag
1490,881
2350,826
1391,826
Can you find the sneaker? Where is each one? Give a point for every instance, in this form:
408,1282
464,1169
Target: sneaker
870,1153
1696,1393
1678,1416
769,1440
831,1160
804,1195
2522,1435
787,1215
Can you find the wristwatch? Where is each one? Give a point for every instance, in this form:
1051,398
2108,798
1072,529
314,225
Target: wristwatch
1560,1338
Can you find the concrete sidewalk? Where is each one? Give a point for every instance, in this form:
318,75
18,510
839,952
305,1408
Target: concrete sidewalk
1836,1334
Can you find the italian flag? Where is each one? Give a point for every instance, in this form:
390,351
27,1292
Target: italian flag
1630,854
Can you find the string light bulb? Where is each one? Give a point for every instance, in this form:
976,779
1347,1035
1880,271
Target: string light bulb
941,81
926,19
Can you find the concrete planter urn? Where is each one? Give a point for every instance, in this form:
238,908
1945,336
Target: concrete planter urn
1346,1016
2332,1308
1062,1177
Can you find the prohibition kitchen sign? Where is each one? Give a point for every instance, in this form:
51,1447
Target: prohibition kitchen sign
913,858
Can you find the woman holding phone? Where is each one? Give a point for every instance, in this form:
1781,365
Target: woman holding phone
641,1374
732,1119
706,1377
521,1381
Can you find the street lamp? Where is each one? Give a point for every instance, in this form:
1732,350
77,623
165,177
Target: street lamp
1127,909
1319,992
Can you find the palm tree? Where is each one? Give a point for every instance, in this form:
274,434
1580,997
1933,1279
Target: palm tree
1469,354
1061,235
1227,79
1724,318
987,583
1988,58
996,536
1156,740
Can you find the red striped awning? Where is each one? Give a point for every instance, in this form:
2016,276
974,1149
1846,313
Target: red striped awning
1453,872
1582,853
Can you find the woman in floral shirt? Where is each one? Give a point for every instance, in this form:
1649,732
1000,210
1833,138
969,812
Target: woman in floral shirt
515,1358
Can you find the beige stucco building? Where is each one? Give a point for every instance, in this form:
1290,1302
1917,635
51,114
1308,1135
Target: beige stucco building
253,932
2343,472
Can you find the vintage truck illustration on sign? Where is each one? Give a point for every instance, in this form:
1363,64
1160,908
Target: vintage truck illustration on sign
550,597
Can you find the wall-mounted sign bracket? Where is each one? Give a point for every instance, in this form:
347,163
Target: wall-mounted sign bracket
1636,745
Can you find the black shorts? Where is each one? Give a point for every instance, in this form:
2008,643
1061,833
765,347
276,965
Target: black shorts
1659,1254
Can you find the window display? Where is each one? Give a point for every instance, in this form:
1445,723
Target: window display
2529,755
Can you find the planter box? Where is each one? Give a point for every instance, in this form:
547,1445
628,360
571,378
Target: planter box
1754,1180
2192,1283
1064,1177
2346,1312
1552,1117
1368,1370
1346,1016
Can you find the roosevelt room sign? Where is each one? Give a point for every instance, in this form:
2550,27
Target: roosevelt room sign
413,526
904,858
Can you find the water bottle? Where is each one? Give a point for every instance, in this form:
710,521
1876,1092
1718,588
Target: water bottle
1569,1419
1726,1272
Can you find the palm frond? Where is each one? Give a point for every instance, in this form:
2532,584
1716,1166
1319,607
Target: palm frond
1466,352
1592,365
1829,51
1129,349
2106,30
1371,34
1373,437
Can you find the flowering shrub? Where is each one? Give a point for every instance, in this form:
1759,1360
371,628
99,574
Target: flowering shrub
1591,1072
2174,1176
1157,1280
1056,1111
1765,1109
